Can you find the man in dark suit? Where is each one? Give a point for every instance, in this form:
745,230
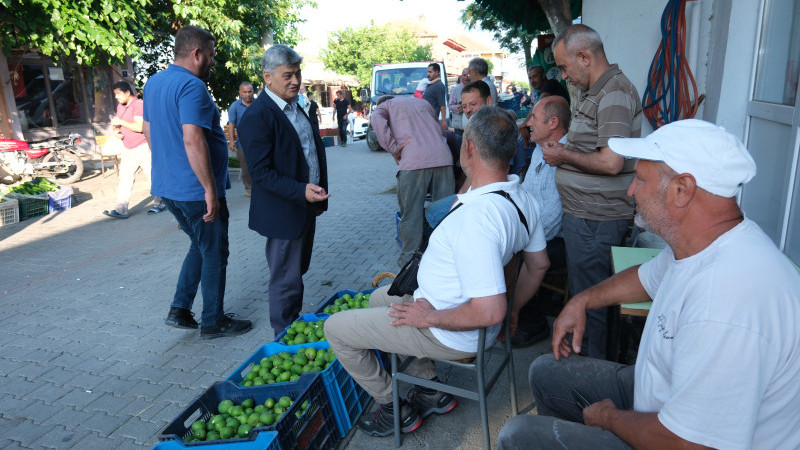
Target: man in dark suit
286,159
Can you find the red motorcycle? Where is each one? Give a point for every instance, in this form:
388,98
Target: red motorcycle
56,159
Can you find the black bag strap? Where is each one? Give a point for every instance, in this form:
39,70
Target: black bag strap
505,195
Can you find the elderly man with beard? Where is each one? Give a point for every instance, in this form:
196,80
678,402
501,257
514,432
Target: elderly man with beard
720,353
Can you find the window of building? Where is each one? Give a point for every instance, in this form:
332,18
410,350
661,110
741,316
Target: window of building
46,95
779,53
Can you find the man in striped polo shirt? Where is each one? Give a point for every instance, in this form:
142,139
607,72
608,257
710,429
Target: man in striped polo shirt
591,179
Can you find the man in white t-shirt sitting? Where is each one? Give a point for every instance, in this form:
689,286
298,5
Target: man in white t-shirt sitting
719,360
461,282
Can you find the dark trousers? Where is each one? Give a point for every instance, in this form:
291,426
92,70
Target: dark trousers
206,262
588,244
559,420
532,316
288,261
343,130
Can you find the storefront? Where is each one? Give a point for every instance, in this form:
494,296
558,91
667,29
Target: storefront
42,99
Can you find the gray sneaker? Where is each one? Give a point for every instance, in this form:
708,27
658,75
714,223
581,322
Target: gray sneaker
427,404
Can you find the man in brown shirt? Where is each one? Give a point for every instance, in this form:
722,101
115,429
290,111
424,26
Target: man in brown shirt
591,179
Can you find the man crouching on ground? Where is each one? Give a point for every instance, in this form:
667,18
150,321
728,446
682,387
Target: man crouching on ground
461,282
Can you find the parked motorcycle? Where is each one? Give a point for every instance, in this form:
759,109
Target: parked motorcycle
56,159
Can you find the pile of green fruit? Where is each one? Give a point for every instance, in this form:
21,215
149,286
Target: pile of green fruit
284,366
301,332
238,421
35,187
347,301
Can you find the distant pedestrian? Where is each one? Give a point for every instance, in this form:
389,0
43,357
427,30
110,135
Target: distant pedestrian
479,70
313,113
190,170
434,94
341,107
234,115
135,152
457,120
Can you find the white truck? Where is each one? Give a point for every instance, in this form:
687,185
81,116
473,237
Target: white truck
398,79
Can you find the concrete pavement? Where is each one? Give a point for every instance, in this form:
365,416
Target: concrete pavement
86,360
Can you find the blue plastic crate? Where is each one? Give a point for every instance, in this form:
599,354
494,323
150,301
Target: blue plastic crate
269,350
347,399
328,141
314,430
333,298
59,201
265,440
304,318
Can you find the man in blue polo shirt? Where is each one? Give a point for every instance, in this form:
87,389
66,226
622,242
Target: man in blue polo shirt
190,172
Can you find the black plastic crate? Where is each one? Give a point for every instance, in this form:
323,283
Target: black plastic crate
314,430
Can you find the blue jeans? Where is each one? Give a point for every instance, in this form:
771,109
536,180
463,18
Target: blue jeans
207,260
559,421
343,131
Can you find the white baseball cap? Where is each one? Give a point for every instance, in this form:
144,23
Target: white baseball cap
717,159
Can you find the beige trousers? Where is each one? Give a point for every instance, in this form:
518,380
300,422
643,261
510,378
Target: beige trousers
352,334
131,160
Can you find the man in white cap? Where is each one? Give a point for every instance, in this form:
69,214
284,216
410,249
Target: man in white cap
719,359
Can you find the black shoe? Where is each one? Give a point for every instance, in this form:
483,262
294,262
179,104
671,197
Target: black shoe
524,338
381,421
428,401
181,318
227,326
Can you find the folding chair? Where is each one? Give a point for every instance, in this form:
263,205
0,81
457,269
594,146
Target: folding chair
478,365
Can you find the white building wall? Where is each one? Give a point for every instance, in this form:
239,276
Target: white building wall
737,74
631,33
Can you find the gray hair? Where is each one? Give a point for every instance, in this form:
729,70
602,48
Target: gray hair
279,55
479,65
494,135
537,67
580,37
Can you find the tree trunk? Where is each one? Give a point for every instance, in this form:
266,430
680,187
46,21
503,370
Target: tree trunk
526,49
560,18
558,14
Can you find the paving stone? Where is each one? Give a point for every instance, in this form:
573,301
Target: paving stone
79,398
104,424
50,393
109,404
9,366
137,430
149,391
60,437
94,441
18,386
26,432
69,417
38,412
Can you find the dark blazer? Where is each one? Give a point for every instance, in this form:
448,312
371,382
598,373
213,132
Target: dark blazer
274,155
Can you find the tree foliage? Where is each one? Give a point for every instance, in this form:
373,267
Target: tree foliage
529,14
354,51
93,32
512,38
99,32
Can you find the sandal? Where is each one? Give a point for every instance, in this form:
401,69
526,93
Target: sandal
156,210
113,213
